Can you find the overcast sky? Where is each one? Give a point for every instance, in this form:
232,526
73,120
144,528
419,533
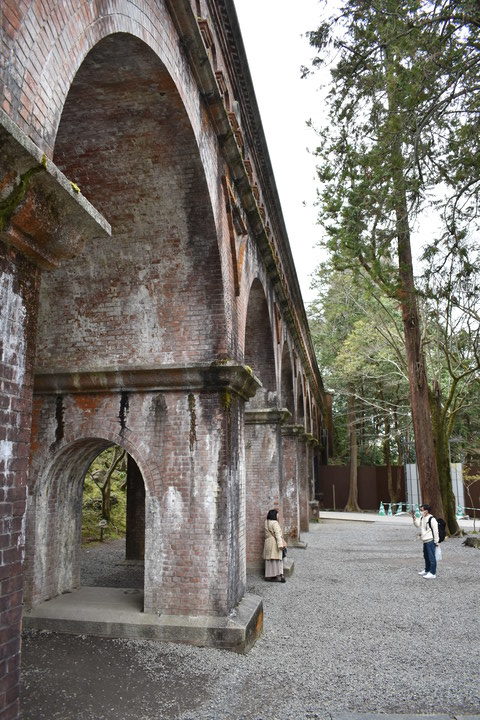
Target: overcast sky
273,33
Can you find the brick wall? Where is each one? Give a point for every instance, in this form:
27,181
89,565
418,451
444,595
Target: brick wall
152,293
189,449
112,93
262,442
18,297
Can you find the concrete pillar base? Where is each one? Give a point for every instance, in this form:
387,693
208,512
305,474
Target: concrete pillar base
117,612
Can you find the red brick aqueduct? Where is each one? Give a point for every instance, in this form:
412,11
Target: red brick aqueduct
148,299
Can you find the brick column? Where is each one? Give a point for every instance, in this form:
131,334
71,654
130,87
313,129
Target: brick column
303,481
18,296
184,428
195,552
263,453
41,220
135,534
290,481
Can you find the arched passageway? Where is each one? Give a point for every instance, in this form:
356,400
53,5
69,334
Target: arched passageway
262,418
152,293
290,432
131,333
54,531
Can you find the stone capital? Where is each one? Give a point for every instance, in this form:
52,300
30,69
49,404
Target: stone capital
216,377
42,214
266,416
293,431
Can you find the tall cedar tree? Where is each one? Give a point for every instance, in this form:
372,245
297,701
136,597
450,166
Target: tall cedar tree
397,107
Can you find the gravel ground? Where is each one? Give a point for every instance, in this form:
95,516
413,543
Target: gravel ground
355,629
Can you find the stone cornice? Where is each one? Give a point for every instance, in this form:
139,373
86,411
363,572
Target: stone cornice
293,431
216,377
267,416
44,216
278,260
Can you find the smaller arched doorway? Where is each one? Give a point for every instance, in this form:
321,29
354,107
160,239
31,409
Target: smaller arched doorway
54,530
113,522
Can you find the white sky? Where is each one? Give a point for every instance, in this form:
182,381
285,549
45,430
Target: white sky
273,33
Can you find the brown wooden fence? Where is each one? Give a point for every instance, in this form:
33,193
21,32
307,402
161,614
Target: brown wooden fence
332,486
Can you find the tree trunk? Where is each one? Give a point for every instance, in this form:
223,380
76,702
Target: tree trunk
417,375
387,459
352,502
106,488
443,462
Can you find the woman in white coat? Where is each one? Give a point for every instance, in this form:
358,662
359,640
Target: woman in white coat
273,547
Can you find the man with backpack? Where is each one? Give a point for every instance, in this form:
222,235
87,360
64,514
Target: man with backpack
429,536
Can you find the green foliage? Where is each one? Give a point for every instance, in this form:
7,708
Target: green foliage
358,339
403,137
403,131
92,497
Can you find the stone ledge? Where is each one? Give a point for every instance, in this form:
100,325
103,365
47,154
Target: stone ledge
293,431
47,218
216,376
267,416
117,613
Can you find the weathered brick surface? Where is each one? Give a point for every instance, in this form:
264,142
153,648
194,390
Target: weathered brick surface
19,294
263,473
302,475
189,451
119,95
290,484
135,513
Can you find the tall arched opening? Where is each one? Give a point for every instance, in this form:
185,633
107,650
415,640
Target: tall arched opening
152,293
290,439
130,330
262,419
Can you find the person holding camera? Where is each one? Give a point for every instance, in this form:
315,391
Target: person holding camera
429,536
274,548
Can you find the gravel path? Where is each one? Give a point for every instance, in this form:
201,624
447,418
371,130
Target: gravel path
354,629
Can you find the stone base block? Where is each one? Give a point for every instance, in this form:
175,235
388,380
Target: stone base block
299,544
117,612
288,566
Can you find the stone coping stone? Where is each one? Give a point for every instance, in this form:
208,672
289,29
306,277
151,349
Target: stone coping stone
117,613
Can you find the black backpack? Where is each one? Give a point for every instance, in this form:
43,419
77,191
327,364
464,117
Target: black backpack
442,528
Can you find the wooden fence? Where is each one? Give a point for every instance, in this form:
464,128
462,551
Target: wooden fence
332,486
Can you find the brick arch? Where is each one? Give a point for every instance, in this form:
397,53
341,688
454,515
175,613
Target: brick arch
259,348
300,404
54,47
308,417
287,382
155,290
55,516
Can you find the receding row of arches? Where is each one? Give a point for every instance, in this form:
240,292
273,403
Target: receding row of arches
136,335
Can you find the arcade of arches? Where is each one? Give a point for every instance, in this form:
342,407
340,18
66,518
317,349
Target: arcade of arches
149,301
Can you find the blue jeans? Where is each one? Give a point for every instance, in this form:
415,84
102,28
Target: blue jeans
429,555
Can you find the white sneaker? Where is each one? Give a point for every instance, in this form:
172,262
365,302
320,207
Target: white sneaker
429,576
422,572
